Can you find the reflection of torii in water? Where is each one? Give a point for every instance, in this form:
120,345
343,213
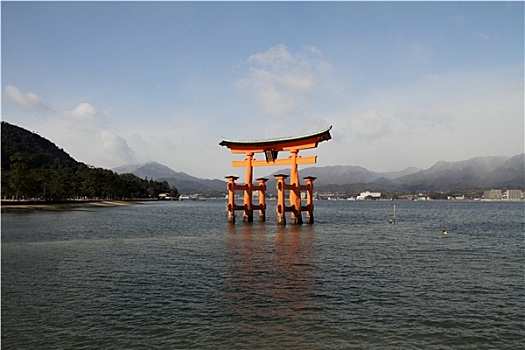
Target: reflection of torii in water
271,149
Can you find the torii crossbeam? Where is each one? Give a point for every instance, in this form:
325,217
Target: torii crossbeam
271,148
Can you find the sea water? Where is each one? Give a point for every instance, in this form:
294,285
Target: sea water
175,275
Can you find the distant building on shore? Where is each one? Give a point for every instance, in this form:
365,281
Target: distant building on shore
493,194
513,195
366,194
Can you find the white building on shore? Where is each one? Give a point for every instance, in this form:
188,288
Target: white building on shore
514,195
364,195
497,194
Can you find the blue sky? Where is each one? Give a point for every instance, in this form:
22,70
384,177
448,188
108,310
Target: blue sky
402,83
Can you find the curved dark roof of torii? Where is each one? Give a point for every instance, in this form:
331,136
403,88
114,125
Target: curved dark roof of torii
281,142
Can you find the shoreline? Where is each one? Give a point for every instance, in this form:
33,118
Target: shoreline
7,206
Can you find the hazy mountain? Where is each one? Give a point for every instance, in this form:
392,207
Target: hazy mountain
396,174
509,175
480,172
475,173
347,178
341,174
151,170
185,184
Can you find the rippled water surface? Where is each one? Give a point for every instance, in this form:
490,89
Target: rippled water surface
175,275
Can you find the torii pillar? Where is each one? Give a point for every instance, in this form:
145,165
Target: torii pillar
248,194
261,187
309,208
295,190
280,208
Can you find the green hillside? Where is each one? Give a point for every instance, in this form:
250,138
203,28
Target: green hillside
18,140
35,168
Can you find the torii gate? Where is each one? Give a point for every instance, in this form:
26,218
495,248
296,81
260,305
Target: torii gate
271,148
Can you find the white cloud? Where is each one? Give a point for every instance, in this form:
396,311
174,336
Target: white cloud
93,143
452,116
93,138
303,83
280,80
85,111
274,102
371,126
117,147
29,101
277,57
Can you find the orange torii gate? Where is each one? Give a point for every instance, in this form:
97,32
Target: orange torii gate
271,148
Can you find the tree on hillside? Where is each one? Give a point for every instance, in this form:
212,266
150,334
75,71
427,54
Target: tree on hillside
19,177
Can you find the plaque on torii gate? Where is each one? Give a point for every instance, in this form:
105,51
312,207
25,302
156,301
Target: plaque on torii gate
271,149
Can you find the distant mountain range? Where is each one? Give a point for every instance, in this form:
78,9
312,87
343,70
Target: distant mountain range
186,184
473,174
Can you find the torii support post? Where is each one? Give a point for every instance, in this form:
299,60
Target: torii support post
309,208
232,186
295,191
248,194
280,209
262,198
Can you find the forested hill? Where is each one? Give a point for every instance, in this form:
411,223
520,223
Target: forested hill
16,139
35,168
